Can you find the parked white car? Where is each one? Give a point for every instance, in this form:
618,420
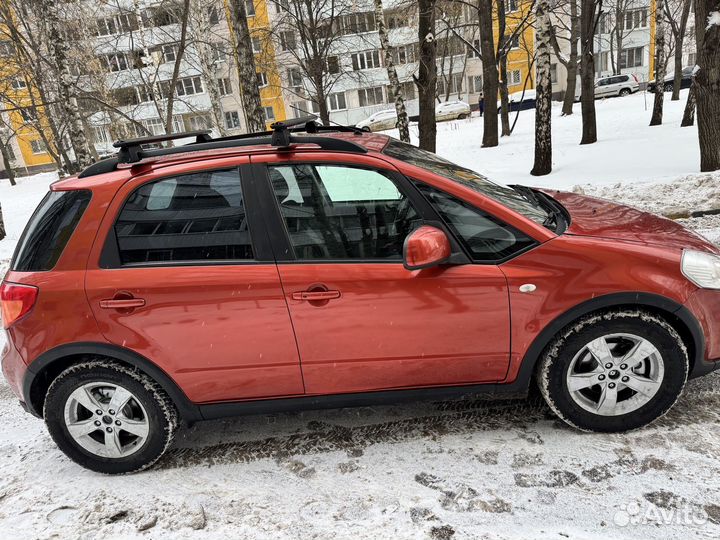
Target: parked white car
379,121
452,110
614,85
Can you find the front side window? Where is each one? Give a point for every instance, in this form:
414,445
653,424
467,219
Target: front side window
334,212
485,237
507,196
192,218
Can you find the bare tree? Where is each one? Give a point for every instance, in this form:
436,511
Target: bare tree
247,72
678,26
426,80
660,58
502,53
588,20
568,11
543,104
707,82
395,86
2,224
490,73
688,118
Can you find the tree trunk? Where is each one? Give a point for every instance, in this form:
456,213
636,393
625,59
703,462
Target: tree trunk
657,114
572,65
543,87
688,118
2,224
247,73
587,72
502,65
679,41
185,14
6,162
67,89
707,82
490,74
426,80
395,87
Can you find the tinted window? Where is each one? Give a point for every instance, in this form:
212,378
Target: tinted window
49,230
485,237
468,178
196,217
336,212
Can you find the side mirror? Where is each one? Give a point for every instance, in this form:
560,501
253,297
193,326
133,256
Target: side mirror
425,247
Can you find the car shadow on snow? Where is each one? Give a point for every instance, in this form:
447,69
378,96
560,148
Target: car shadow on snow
279,436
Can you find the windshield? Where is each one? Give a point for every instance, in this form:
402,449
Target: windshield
527,206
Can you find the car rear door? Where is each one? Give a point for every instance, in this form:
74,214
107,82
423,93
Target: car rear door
362,321
182,274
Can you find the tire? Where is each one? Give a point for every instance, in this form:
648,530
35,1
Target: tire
366,129
624,92
462,116
107,448
668,87
568,358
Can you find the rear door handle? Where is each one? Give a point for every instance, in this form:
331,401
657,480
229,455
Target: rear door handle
314,296
122,303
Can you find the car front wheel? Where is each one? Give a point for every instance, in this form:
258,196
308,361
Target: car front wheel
615,371
625,92
109,418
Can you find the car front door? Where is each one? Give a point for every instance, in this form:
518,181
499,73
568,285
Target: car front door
362,321
182,275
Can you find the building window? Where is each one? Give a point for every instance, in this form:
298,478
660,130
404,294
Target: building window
28,114
287,40
154,125
515,77
169,52
603,24
250,8
18,83
358,23
189,86
397,19
295,78
692,59
407,89
632,57
474,51
366,60
603,62
38,147
475,84
269,114
511,5
336,101
123,22
224,86
332,65
218,52
256,45
232,119
553,74
370,96
515,41
404,54
116,62
282,5
200,122
636,18
299,109
262,79
455,80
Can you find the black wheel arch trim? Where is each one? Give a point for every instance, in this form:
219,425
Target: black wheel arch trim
189,412
615,300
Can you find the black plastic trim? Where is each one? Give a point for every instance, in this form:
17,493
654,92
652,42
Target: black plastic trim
188,410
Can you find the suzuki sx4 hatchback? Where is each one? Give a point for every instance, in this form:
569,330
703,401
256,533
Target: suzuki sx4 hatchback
311,267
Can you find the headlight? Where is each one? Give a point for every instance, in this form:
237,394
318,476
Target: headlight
702,268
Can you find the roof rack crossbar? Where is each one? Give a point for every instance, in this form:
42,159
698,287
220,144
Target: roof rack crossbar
130,148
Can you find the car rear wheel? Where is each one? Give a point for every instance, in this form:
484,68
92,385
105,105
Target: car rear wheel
614,371
668,87
624,92
462,116
109,418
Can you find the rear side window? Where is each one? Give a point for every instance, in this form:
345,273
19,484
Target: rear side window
49,230
486,238
190,218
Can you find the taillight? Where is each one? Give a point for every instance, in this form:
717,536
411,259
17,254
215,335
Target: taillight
15,301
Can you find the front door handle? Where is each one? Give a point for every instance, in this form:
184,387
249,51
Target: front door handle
122,302
315,296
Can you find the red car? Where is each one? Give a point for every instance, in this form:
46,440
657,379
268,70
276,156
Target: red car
315,267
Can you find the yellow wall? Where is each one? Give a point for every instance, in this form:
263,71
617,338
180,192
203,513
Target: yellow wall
519,58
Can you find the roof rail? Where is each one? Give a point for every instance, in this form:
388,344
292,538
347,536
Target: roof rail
282,137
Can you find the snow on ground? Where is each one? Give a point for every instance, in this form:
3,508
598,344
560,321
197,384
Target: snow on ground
440,470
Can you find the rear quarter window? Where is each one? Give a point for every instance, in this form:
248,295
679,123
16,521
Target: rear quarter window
49,230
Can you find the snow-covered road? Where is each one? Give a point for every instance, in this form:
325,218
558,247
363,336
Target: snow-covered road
471,469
